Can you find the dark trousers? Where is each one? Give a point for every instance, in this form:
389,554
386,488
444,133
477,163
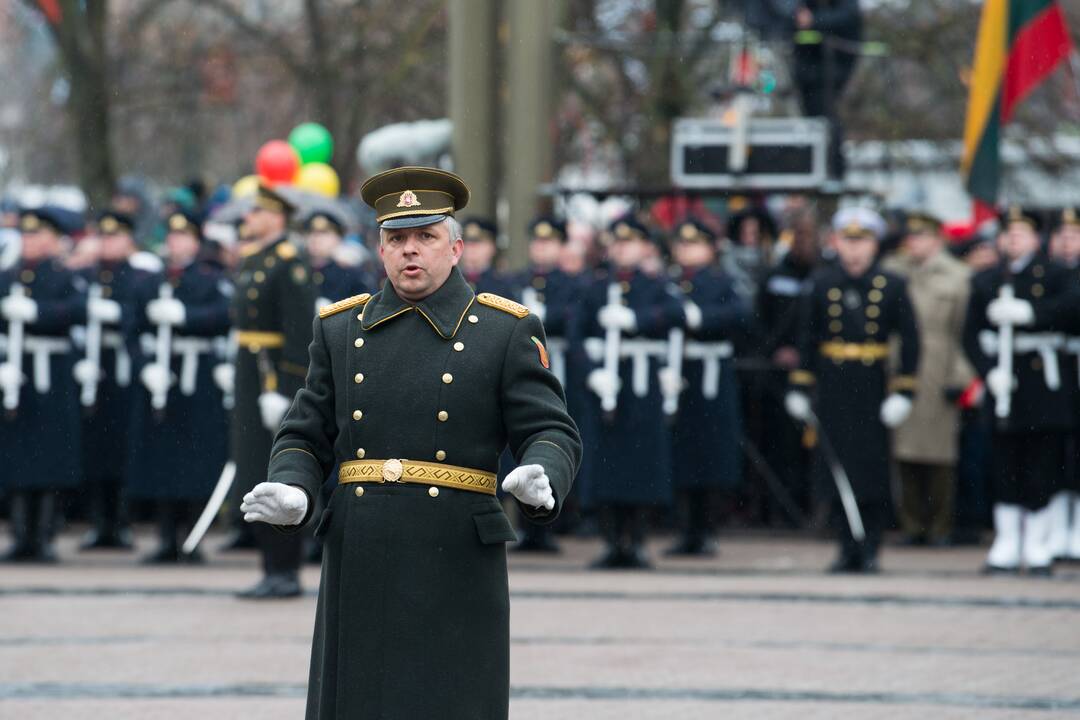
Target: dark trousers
926,499
1028,467
873,520
281,551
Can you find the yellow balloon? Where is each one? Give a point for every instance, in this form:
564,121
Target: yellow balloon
246,186
318,178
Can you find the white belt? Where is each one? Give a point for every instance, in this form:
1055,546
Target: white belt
188,349
639,351
42,349
710,355
1046,345
115,341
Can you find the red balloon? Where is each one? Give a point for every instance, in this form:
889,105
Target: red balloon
277,162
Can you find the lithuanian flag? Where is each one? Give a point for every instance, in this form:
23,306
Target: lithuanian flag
1020,43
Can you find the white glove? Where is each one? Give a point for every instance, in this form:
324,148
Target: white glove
275,503
166,311
273,407
693,315
103,310
617,316
998,383
86,372
225,377
603,383
155,378
895,410
1015,312
671,382
530,485
797,405
19,308
10,376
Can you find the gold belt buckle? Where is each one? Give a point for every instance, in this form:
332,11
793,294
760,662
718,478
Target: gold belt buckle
391,470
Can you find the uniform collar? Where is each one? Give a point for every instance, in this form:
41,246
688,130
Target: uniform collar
444,309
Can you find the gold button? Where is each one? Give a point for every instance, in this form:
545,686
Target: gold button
873,311
447,378
433,491
624,286
835,310
26,276
260,276
360,316
106,276
358,378
1037,290
443,416
459,346
836,326
880,282
440,455
875,296
871,327
356,414
360,453
473,319
1038,271
834,294
358,342
359,491
252,294
269,262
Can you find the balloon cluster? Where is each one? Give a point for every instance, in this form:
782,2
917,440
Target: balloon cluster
302,161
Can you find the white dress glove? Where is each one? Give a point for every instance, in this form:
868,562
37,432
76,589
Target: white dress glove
86,372
998,383
272,407
671,382
617,316
1015,312
895,410
797,405
603,383
103,310
18,308
530,485
693,315
10,376
166,311
225,377
155,378
275,503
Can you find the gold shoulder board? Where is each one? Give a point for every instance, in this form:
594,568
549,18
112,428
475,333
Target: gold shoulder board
500,303
350,302
286,251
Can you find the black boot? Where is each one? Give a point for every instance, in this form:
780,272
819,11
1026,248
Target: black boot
110,531
537,539
44,529
695,541
633,553
609,530
168,551
22,547
274,587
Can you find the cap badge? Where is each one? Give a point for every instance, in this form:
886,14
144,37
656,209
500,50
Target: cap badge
408,199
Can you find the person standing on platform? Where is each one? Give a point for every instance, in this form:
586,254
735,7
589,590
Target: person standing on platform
271,311
705,440
849,313
180,448
39,436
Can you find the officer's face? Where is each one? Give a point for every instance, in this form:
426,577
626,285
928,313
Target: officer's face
693,253
116,246
545,251
264,224
1019,240
627,253
418,260
856,252
183,246
40,244
1065,244
922,245
479,254
321,244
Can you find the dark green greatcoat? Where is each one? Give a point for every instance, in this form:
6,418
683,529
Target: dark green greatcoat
413,613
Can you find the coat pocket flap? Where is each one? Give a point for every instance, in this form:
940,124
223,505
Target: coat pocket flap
494,527
324,522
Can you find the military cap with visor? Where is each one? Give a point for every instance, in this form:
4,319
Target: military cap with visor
547,227
181,220
694,230
476,228
919,222
1018,214
267,198
111,222
325,221
409,197
858,222
33,220
629,228
1068,217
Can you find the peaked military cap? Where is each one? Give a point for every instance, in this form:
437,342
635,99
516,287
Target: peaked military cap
629,227
1016,213
409,197
919,221
32,220
325,220
547,227
270,199
476,228
694,230
858,222
1070,216
181,220
111,222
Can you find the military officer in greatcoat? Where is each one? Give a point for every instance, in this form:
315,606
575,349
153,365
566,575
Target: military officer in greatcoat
324,232
114,304
415,391
850,310
478,260
178,422
705,437
1032,406
39,423
271,312
630,475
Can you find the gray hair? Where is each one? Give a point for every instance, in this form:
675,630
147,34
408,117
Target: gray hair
453,228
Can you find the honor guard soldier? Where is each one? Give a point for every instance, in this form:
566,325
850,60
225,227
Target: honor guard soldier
850,311
1024,299
705,447
112,308
179,423
324,231
478,261
40,301
271,311
626,317
415,392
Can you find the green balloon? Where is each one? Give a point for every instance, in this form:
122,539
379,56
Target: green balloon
312,142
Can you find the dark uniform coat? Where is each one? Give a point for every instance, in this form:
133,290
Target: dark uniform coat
272,307
491,281
631,465
334,281
705,437
413,611
846,324
179,452
40,442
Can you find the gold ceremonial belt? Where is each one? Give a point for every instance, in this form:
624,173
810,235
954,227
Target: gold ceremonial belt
413,471
866,352
256,340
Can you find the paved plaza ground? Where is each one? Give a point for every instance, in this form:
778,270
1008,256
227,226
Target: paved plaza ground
757,632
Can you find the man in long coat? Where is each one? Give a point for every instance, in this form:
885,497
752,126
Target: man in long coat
415,392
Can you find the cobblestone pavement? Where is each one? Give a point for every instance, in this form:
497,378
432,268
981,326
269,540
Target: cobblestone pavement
757,632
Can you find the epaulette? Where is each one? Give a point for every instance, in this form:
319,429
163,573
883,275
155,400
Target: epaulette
350,302
500,303
286,251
